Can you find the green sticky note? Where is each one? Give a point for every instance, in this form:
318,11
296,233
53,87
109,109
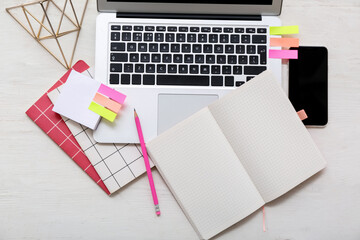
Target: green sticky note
283,30
104,112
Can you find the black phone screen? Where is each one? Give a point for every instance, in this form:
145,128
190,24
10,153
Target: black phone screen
308,84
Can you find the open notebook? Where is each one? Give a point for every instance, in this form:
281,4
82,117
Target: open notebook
231,158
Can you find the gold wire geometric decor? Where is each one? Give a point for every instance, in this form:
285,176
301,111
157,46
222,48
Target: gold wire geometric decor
51,25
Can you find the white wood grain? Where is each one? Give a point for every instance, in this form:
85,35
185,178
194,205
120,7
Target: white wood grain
44,195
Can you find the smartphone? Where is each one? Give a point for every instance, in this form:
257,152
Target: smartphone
308,84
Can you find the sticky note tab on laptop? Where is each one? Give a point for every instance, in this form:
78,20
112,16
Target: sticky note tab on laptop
283,30
107,102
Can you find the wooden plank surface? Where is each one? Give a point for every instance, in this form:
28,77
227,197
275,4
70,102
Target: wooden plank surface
44,195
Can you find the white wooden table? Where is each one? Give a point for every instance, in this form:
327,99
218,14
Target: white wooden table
44,195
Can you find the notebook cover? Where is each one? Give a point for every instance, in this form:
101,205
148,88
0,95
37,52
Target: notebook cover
54,126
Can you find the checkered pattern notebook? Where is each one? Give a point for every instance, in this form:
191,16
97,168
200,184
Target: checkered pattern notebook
116,164
54,126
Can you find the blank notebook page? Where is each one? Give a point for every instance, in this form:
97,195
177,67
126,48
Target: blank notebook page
204,174
267,135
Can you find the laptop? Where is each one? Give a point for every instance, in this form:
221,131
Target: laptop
173,58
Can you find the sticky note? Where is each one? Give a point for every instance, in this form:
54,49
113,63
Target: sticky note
284,42
75,97
105,113
283,54
282,30
111,93
107,102
302,114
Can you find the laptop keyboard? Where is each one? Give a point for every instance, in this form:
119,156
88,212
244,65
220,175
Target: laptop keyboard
186,56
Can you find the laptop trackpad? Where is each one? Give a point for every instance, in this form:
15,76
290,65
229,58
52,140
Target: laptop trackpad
173,108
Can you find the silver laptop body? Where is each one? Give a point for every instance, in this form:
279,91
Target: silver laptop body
173,58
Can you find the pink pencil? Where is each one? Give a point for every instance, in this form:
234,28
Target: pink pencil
147,163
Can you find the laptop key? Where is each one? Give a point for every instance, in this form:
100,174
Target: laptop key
183,80
217,81
149,80
250,30
262,53
161,68
210,59
139,68
205,29
199,58
167,58
138,28
137,36
159,37
253,70
213,38
229,81
218,48
215,69
178,58
259,39
136,79
153,47
161,28
118,57
194,69
131,47
183,29
145,57
197,48
202,38
125,79
208,48
239,83
191,37
240,49
194,29
116,67
224,38
250,49
226,69
217,29
185,48
128,68
172,68
114,79
237,70
243,59
188,58
149,28
229,49
134,57
221,59
204,69
172,29
183,69
234,38
175,47
156,58
239,30
245,38
115,36
116,27
232,59
126,36
150,68
180,37
164,47
148,37
261,30
254,60
127,28
170,37
228,30
117,46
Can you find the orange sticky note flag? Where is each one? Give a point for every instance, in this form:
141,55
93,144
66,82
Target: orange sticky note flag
284,42
107,102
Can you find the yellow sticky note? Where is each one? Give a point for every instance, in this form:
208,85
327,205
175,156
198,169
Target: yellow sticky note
105,113
283,30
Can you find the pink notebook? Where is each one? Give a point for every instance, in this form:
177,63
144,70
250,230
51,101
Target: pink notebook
54,126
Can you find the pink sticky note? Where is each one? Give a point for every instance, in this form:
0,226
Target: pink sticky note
283,54
111,93
302,114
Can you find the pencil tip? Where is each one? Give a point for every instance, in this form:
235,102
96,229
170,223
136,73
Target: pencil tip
135,114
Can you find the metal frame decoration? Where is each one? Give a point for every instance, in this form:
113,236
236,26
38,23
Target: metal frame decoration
52,32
